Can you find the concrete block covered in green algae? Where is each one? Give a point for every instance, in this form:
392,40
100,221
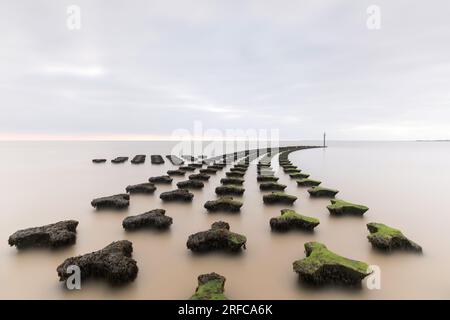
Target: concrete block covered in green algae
112,263
223,204
289,219
290,167
265,173
208,170
322,266
155,218
298,175
235,174
292,170
272,186
262,178
339,206
230,189
308,182
190,184
146,187
176,172
219,237
210,287
238,169
279,197
177,195
199,176
161,179
322,192
384,237
235,181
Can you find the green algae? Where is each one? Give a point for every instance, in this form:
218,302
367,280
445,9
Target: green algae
339,206
384,237
289,219
322,192
210,287
308,182
322,265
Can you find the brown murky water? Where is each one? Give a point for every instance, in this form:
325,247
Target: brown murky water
405,184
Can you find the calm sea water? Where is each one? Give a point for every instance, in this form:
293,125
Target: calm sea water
405,185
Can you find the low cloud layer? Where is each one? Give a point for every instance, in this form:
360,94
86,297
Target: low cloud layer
143,69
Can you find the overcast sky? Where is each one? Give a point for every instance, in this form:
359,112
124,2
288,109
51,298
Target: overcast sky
142,69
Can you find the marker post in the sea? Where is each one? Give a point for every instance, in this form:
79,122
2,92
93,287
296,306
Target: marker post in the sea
324,140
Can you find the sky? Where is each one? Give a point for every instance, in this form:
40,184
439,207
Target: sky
146,69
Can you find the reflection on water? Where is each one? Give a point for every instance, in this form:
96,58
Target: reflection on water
404,185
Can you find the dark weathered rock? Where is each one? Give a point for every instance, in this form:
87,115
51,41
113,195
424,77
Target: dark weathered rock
240,170
112,263
98,160
174,160
338,206
266,173
215,167
298,175
323,266
195,165
235,174
263,166
210,287
176,172
177,195
147,187
187,168
279,197
199,176
285,164
289,219
208,171
53,235
230,189
190,184
218,165
223,204
308,182
117,201
387,238
272,186
322,192
119,160
236,181
218,237
261,178
152,219
138,159
156,159
161,179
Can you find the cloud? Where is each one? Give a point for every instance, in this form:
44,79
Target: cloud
73,70
147,68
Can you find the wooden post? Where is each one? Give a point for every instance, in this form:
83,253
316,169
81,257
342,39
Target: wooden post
324,139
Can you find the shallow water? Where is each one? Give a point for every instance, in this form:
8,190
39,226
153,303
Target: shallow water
405,185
